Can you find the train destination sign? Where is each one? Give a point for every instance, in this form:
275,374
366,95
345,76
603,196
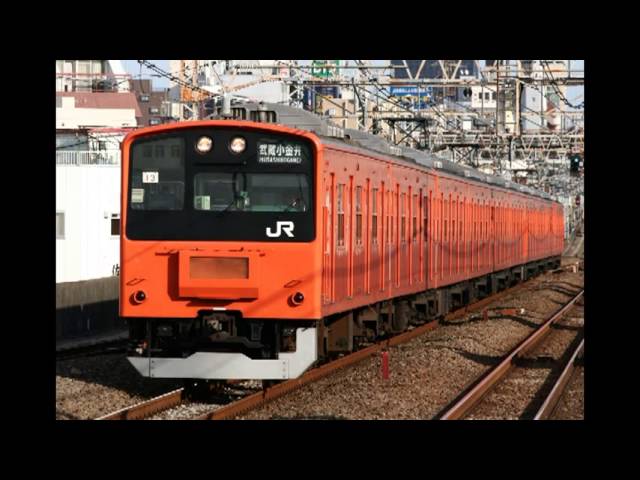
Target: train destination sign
279,153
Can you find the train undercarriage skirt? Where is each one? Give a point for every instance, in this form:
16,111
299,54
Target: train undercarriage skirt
223,365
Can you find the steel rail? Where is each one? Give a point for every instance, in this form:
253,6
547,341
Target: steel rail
554,396
148,407
480,388
258,399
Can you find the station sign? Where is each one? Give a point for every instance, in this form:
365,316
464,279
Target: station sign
410,91
319,68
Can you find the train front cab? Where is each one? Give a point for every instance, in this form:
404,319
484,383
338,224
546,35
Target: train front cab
220,266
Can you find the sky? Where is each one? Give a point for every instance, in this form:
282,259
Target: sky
133,67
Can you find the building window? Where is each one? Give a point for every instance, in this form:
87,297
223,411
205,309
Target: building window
154,110
154,121
486,95
59,224
115,224
493,96
144,98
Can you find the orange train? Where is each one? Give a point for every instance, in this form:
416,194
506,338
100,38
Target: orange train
252,249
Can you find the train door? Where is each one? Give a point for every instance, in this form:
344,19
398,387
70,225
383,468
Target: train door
341,263
374,257
403,264
416,239
358,243
395,229
390,230
472,226
525,230
327,229
350,236
442,238
465,232
424,241
430,230
457,231
449,237
495,256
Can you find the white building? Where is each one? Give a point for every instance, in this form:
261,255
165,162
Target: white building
87,221
533,110
94,111
483,97
91,76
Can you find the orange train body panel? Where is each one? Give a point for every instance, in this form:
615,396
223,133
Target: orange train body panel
276,270
383,228
432,229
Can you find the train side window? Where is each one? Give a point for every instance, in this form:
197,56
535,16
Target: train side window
359,215
425,218
386,231
415,218
403,231
453,230
374,216
340,211
392,237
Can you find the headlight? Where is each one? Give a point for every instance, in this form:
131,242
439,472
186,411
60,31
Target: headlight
204,145
237,145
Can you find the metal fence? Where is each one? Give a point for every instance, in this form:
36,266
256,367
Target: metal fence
103,157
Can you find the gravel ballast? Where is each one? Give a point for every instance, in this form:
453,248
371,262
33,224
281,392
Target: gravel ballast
430,371
89,387
520,394
571,405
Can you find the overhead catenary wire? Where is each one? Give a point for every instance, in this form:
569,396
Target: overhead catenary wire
330,100
193,87
388,97
554,84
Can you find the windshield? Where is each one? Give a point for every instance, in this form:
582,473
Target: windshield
178,192
251,192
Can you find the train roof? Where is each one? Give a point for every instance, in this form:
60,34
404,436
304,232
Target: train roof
304,120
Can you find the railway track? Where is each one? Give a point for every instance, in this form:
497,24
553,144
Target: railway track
253,401
260,398
472,397
149,407
548,406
